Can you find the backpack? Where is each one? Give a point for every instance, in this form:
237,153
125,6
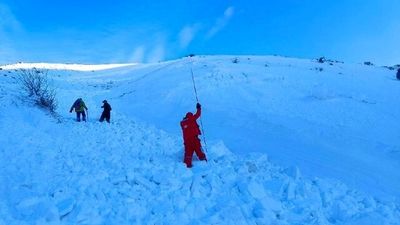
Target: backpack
77,104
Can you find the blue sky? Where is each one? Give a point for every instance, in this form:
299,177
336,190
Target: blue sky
89,31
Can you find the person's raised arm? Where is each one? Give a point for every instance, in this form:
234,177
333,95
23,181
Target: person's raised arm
198,112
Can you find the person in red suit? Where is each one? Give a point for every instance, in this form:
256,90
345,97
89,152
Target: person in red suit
191,131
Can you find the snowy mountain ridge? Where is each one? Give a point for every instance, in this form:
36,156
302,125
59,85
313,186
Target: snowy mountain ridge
63,66
131,171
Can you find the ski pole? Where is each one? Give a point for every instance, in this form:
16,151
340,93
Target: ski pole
197,99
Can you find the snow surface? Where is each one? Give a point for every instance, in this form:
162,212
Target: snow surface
337,123
63,66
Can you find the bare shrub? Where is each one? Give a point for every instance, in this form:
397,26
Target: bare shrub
368,63
330,61
36,84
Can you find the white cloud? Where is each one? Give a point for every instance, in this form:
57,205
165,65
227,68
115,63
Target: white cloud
9,28
157,54
187,35
8,22
221,22
229,12
138,54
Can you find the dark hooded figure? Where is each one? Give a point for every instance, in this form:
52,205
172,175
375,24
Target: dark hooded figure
191,131
106,112
398,74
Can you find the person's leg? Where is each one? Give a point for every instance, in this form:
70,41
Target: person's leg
78,116
108,117
197,149
188,155
83,115
101,117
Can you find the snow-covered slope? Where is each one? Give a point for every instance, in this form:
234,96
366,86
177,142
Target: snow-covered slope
337,123
334,120
63,66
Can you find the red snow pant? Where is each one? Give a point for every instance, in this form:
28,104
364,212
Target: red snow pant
191,146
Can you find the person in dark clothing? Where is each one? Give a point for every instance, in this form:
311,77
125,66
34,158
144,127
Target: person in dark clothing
398,74
191,131
79,107
106,112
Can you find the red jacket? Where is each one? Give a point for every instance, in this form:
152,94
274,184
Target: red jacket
190,128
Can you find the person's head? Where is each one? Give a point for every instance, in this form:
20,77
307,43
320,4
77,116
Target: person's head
104,101
189,115
80,99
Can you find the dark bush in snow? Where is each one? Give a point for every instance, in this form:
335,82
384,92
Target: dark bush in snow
324,60
321,60
398,74
368,63
395,67
36,84
235,60
320,69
